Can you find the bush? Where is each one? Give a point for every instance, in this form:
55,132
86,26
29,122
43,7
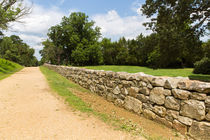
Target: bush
202,66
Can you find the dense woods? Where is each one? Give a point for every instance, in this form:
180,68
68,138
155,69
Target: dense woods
14,49
76,41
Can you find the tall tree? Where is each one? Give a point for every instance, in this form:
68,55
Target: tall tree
179,24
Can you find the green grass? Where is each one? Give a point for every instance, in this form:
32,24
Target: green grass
62,87
186,72
7,68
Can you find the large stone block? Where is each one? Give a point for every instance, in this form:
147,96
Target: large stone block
194,86
193,109
172,103
198,96
200,130
157,96
181,94
133,104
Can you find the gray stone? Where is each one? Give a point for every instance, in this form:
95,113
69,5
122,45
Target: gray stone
194,86
158,81
181,94
157,96
133,104
144,90
171,83
119,102
116,91
167,92
150,86
142,98
171,115
159,110
207,101
124,91
142,84
172,103
133,91
193,109
200,130
147,106
185,120
208,116
198,96
163,121
149,114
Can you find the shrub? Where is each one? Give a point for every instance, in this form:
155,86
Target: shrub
202,66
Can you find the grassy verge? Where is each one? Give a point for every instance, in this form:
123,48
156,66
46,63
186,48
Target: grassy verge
7,68
62,87
186,72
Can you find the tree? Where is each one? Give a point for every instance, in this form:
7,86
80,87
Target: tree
12,48
10,11
178,24
77,36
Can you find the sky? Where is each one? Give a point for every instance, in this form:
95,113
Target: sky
116,18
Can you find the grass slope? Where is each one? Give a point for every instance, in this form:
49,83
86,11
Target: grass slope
7,68
187,72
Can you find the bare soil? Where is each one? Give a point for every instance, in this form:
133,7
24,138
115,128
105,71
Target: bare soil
150,128
29,111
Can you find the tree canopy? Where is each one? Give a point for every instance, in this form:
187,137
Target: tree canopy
10,11
76,41
12,48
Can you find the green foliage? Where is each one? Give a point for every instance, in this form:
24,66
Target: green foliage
7,68
74,41
12,48
10,11
178,25
202,66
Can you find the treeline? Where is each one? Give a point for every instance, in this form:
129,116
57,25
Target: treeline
14,49
75,41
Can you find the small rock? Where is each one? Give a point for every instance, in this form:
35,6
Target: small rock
116,91
161,111
208,116
185,120
171,115
158,81
119,102
171,83
157,96
149,114
144,90
142,98
133,91
181,94
172,103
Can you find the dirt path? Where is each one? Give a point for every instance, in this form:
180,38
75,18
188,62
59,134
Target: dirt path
28,110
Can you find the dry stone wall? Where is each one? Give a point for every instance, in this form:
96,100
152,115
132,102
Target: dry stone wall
178,103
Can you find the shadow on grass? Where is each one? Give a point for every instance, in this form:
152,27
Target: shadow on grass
204,78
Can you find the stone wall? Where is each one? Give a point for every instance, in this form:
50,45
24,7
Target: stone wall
178,103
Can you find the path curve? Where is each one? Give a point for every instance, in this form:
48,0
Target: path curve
29,111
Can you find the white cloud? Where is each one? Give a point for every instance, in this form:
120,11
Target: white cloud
34,27
114,26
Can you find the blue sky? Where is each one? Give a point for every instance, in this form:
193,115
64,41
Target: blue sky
116,18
